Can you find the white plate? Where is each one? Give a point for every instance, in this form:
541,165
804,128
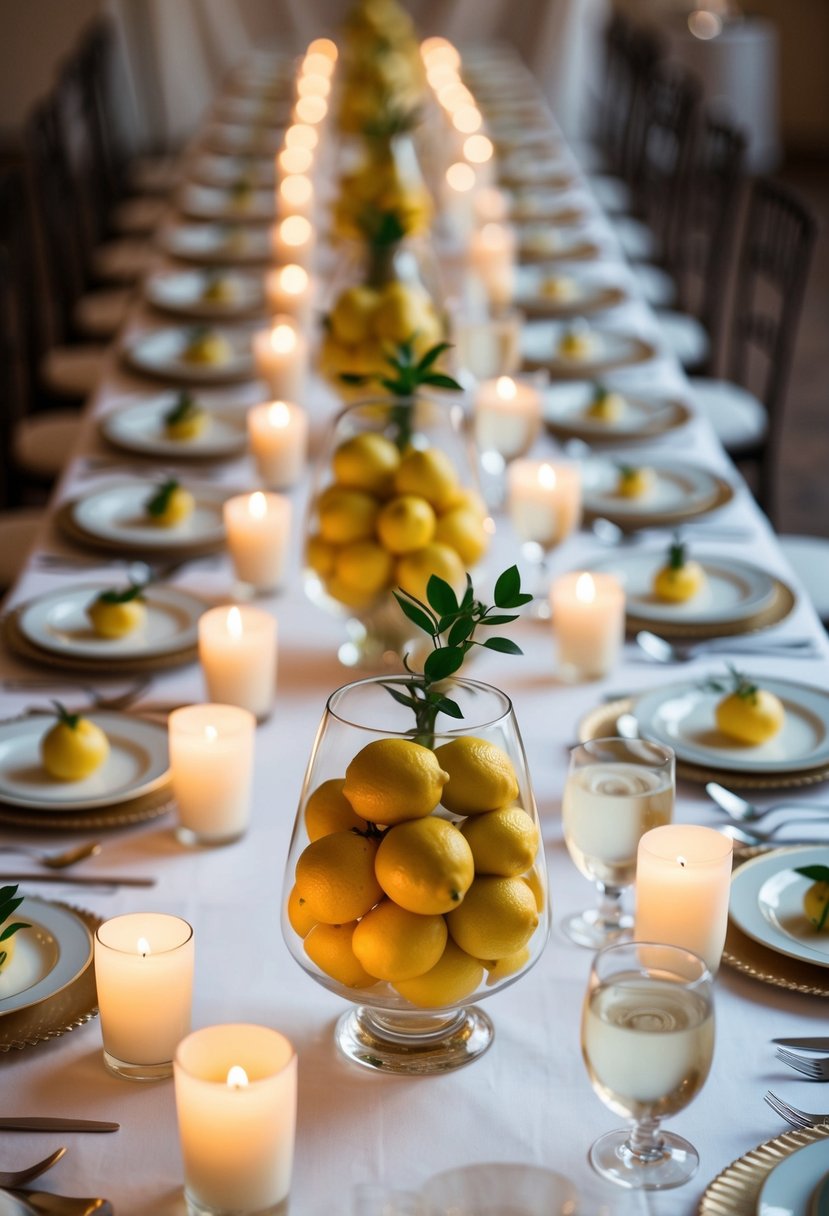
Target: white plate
137,764
586,291
215,203
160,353
733,590
47,957
788,1189
566,405
682,715
57,622
140,428
679,489
542,205
226,170
540,344
217,244
496,1188
183,292
545,243
244,139
117,513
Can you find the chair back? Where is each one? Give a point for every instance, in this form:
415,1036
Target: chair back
29,330
645,53
670,116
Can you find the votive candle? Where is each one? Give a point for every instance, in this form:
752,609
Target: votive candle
492,257
289,291
588,613
258,528
544,500
278,434
211,766
507,416
281,357
237,650
292,240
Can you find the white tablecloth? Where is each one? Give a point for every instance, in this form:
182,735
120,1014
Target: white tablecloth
529,1098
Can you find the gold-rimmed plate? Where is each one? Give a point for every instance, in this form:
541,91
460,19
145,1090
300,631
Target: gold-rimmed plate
225,171
113,518
736,1190
206,295
227,206
767,903
217,244
602,351
539,243
163,354
48,955
677,490
642,415
572,292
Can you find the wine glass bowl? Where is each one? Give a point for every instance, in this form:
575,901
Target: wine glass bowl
496,914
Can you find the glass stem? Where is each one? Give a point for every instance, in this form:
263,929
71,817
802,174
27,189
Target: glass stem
610,906
644,1142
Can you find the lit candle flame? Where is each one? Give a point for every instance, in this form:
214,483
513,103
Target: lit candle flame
316,63
210,733
547,477
323,46
301,135
478,149
295,230
467,119
293,279
311,109
283,339
278,415
585,589
237,1078
234,623
296,189
460,176
257,505
143,947
297,160
313,84
505,388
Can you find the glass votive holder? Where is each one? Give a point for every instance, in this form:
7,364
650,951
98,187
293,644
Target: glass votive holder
235,1091
258,528
211,763
278,434
588,614
144,976
281,357
486,347
237,651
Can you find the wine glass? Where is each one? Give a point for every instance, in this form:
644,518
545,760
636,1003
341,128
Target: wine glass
647,1036
426,1021
544,506
616,790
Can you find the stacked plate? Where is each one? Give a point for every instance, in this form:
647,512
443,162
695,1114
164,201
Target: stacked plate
541,243
678,492
215,203
217,244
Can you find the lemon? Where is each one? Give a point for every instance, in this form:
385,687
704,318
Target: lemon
537,882
73,748
814,904
6,953
391,780
335,876
462,529
345,593
364,566
751,717
497,917
635,482
352,314
503,842
179,506
425,865
464,496
406,523
481,776
346,515
328,810
114,620
677,586
330,947
430,473
320,556
502,968
453,977
300,919
606,406
366,462
403,309
191,427
415,569
207,348
394,944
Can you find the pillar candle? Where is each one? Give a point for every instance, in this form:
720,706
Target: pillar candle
459,199
211,764
295,196
683,881
281,356
289,291
292,240
544,501
491,206
588,612
507,416
258,528
278,434
144,977
237,650
492,257
235,1092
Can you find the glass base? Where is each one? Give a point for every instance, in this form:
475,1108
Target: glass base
137,1072
590,929
413,1044
195,1207
674,1163
196,840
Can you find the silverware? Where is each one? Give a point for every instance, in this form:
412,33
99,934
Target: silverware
12,1178
52,1123
818,1043
816,1068
747,812
43,1203
611,534
98,700
77,880
662,651
798,1118
767,836
60,860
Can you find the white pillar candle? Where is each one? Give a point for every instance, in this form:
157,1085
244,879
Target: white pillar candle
459,199
479,151
295,160
211,765
292,240
491,205
683,881
588,612
236,1105
278,434
144,977
544,501
507,416
492,257
258,528
289,291
281,357
295,196
237,650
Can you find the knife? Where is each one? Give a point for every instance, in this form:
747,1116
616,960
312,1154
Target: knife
816,1044
38,1123
86,880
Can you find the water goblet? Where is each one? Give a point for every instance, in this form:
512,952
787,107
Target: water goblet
647,1036
616,790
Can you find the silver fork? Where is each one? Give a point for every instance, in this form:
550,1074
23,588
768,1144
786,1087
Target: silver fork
801,1119
816,1068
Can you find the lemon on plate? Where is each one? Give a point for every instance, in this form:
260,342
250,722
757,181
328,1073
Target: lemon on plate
10,901
816,897
186,420
605,405
74,748
749,714
635,481
170,505
114,614
206,348
681,578
392,780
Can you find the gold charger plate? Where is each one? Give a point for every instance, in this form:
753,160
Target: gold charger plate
600,723
135,810
736,1190
538,307
776,610
723,493
522,214
640,352
69,528
554,180
677,415
74,1005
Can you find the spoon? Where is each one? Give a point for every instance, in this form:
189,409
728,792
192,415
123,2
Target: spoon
662,651
747,812
61,860
12,1178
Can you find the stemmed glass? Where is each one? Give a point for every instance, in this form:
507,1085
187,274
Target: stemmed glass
617,789
544,507
647,1037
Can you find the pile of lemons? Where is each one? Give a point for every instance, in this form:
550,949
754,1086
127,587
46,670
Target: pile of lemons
366,322
379,186
380,63
392,519
421,871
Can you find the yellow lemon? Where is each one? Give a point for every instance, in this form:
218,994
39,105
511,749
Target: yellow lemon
364,566
207,348
430,473
814,905
481,776
330,947
299,917
346,515
351,316
606,406
6,953
453,977
537,884
74,748
680,584
114,619
171,506
503,842
366,462
462,529
415,569
394,944
497,917
464,496
576,344
391,780
320,556
502,968
406,523
635,482
335,876
345,593
401,312
328,810
425,865
751,715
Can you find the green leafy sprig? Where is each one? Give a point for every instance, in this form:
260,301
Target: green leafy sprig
65,717
185,407
677,553
391,119
816,874
10,901
406,375
159,501
116,595
734,682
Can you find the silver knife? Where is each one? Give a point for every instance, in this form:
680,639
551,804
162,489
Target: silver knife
40,1123
805,1044
86,880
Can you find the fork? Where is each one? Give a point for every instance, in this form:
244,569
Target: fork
98,700
816,1068
801,1119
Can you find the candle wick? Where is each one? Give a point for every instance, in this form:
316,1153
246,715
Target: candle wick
682,862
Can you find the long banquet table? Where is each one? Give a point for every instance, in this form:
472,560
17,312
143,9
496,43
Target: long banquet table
528,1099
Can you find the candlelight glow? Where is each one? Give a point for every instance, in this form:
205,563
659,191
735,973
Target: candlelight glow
295,160
460,176
467,119
454,95
547,477
295,230
283,338
505,388
494,236
490,203
293,279
301,135
585,589
441,75
210,733
478,149
312,84
257,505
143,947
704,25
316,64
323,46
311,109
279,415
296,189
237,1078
442,54
234,623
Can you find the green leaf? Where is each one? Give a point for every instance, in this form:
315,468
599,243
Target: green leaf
10,929
498,620
440,595
7,893
353,378
469,594
507,587
463,628
159,500
447,706
63,715
432,355
401,698
502,645
442,663
816,873
418,614
439,380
